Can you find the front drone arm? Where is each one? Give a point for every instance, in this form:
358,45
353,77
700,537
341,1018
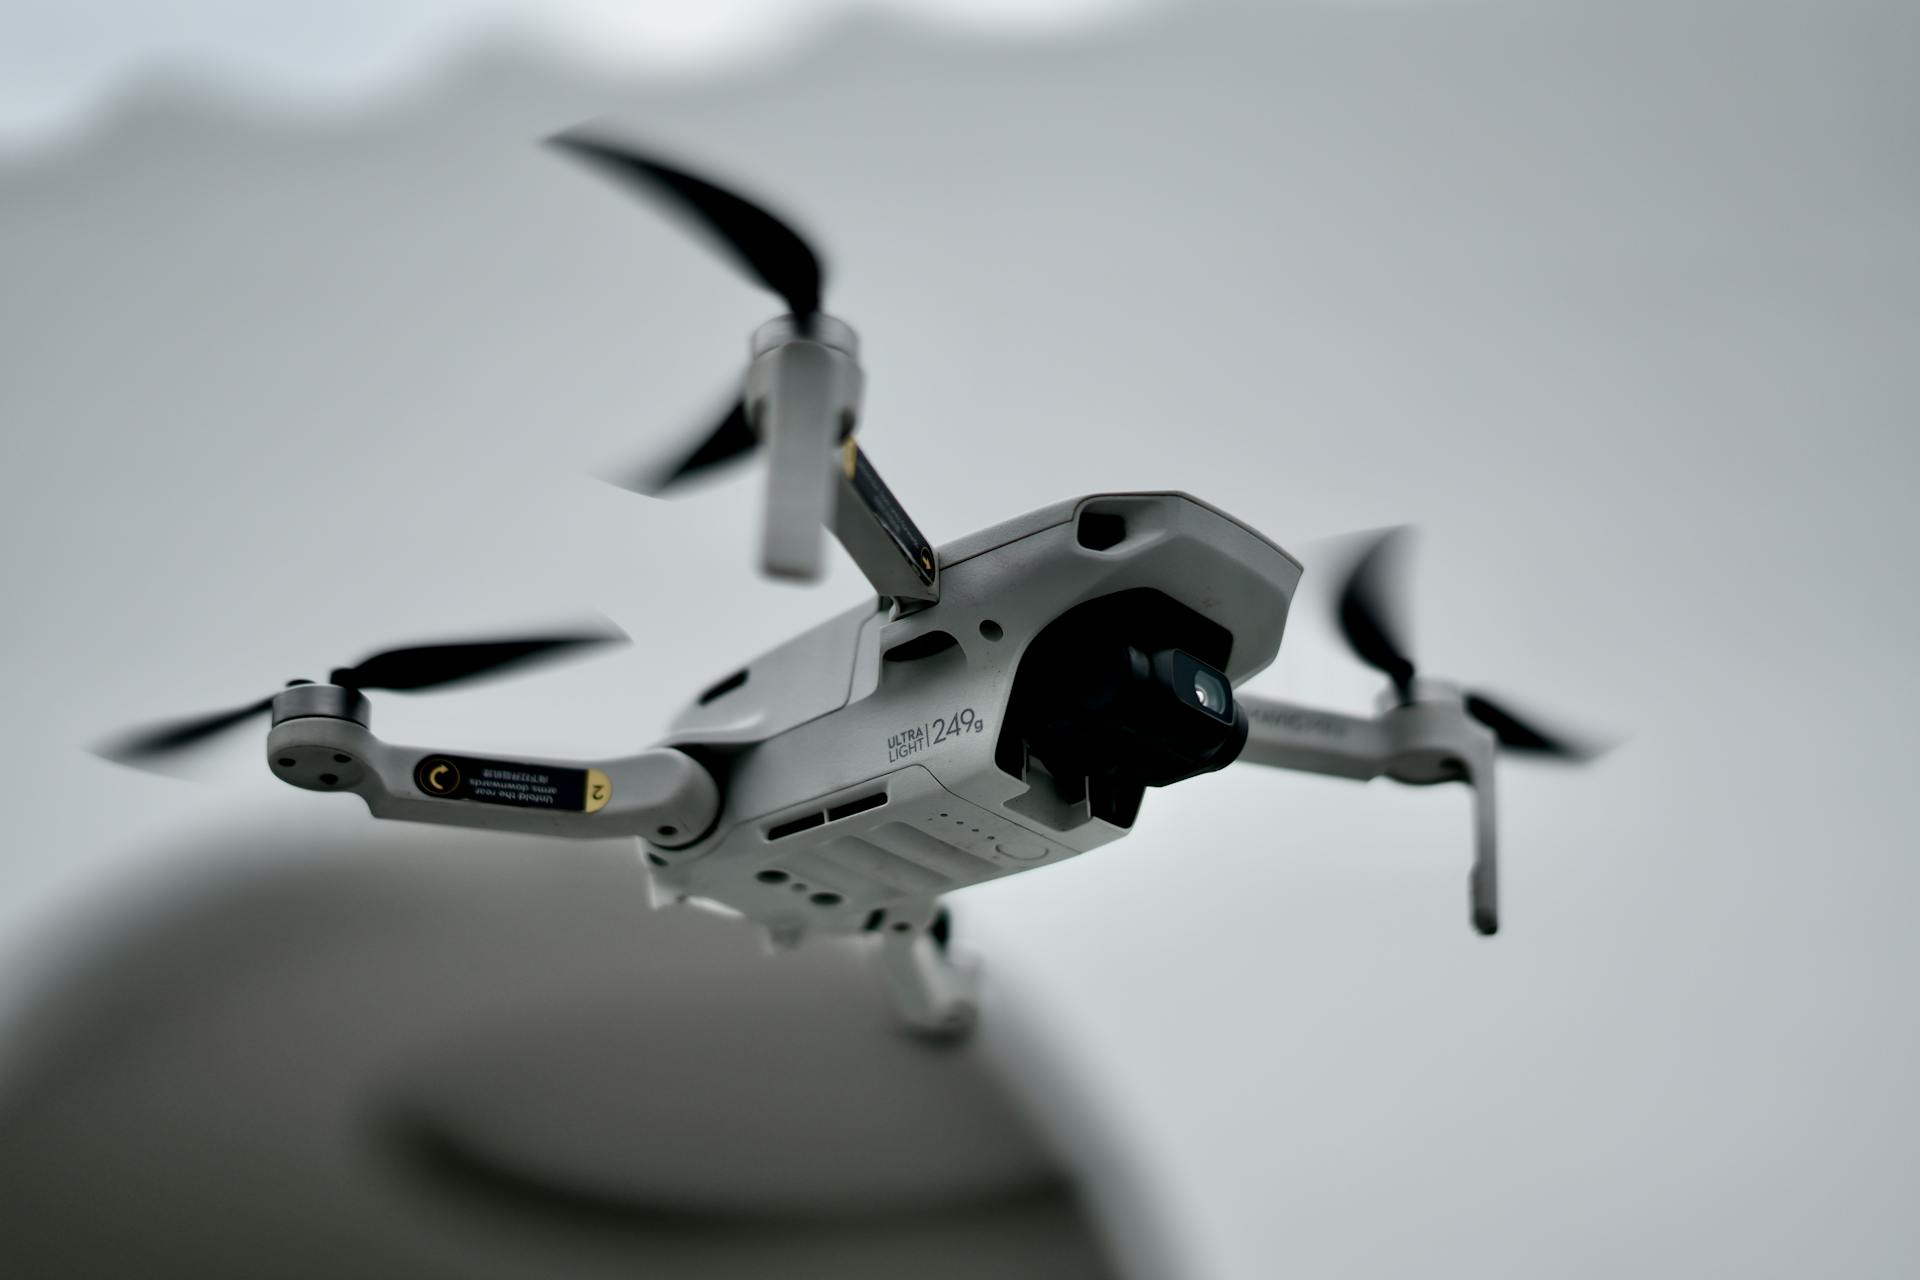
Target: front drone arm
1418,743
319,741
1293,737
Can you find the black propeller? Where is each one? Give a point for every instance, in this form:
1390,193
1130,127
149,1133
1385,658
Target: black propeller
417,667
773,253
1368,603
1369,613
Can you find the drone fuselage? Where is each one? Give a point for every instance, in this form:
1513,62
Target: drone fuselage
846,781
866,766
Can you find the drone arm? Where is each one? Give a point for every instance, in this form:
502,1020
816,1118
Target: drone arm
802,397
661,795
1288,736
1420,743
879,534
1483,885
936,993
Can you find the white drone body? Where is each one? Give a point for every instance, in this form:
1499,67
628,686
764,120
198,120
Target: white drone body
847,780
1000,706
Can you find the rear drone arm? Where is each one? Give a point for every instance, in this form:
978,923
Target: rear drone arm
320,741
1418,743
803,399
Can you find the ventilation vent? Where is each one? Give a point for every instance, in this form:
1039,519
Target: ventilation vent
807,821
795,826
852,807
725,687
921,646
1099,530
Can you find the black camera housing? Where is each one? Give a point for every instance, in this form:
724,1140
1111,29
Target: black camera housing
1122,693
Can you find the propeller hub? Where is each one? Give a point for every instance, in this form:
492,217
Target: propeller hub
818,327
1421,689
329,700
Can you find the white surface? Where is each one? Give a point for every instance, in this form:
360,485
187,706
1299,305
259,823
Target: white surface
63,60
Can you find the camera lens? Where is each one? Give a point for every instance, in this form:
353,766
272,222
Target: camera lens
1209,692
1106,704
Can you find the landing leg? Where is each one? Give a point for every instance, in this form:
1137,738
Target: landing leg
936,993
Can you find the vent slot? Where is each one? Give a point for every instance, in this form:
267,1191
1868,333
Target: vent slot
921,646
795,826
725,687
852,807
1100,530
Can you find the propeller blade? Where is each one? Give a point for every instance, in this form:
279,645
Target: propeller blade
143,746
1516,734
417,667
434,665
768,248
1369,610
732,439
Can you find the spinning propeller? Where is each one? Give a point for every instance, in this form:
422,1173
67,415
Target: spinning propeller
801,396
1369,615
772,253
407,670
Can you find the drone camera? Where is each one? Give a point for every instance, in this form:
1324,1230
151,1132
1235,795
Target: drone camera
1123,693
1210,691
1195,682
1152,718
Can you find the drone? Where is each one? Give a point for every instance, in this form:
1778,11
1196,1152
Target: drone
1001,704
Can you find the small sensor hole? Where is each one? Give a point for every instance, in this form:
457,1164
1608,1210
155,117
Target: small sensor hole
1099,530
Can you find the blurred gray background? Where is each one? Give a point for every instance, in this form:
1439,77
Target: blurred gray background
1618,303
